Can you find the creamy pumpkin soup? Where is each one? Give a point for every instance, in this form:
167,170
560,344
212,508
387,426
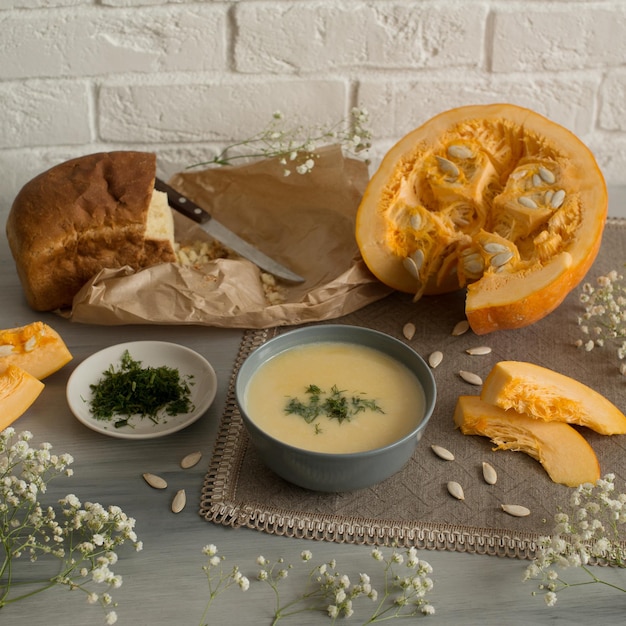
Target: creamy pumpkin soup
335,397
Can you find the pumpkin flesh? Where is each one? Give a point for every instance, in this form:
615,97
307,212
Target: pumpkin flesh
549,396
494,198
36,348
563,452
18,391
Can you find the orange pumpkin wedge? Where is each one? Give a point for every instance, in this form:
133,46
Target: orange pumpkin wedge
18,390
495,198
563,452
549,396
36,348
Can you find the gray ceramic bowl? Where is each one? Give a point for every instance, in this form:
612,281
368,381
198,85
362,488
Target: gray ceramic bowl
334,472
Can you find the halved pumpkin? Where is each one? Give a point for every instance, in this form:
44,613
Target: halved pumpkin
18,390
493,197
563,452
549,396
36,348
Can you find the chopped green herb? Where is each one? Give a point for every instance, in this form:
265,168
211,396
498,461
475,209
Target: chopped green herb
135,390
333,404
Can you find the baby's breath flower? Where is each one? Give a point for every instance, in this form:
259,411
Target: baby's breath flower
377,555
589,533
298,146
604,318
81,537
332,592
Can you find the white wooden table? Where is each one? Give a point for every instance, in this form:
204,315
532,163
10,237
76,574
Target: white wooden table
164,585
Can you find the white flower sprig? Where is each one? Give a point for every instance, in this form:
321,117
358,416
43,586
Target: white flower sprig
406,583
82,537
604,320
587,534
297,146
219,580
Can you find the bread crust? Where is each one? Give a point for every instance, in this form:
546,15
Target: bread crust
80,217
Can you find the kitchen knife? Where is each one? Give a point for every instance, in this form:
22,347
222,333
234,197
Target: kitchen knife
222,234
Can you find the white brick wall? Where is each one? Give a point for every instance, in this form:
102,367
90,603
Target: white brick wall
185,78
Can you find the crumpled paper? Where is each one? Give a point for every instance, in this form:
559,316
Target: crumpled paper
305,222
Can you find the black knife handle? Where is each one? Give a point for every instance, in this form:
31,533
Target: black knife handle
181,204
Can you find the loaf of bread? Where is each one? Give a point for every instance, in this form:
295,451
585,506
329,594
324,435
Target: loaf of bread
77,218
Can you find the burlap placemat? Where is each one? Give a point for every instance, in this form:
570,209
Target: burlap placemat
413,507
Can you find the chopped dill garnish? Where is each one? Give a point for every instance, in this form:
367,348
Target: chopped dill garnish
135,390
333,404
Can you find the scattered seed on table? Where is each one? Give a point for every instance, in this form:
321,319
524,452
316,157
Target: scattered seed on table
516,510
455,490
471,378
460,328
489,473
190,460
435,359
154,481
478,351
409,331
442,453
179,501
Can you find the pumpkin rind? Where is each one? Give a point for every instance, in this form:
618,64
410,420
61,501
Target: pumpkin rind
563,452
36,348
547,395
18,391
493,197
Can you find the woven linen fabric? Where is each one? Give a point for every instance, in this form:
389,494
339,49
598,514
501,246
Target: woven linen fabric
413,507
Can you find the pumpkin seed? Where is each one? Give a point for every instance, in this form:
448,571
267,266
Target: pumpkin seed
155,481
409,331
478,350
471,378
527,202
455,490
493,247
547,197
557,199
190,460
489,473
442,453
501,259
473,263
30,344
416,221
546,175
516,510
459,152
413,264
536,180
447,167
435,359
6,349
460,221
460,328
179,501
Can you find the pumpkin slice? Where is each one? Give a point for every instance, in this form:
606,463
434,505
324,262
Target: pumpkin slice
36,348
549,396
18,390
496,198
563,452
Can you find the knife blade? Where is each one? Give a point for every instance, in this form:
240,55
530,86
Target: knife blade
222,234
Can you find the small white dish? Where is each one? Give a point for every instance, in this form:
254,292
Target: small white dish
149,353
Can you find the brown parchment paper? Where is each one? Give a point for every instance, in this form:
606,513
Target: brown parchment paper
305,222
